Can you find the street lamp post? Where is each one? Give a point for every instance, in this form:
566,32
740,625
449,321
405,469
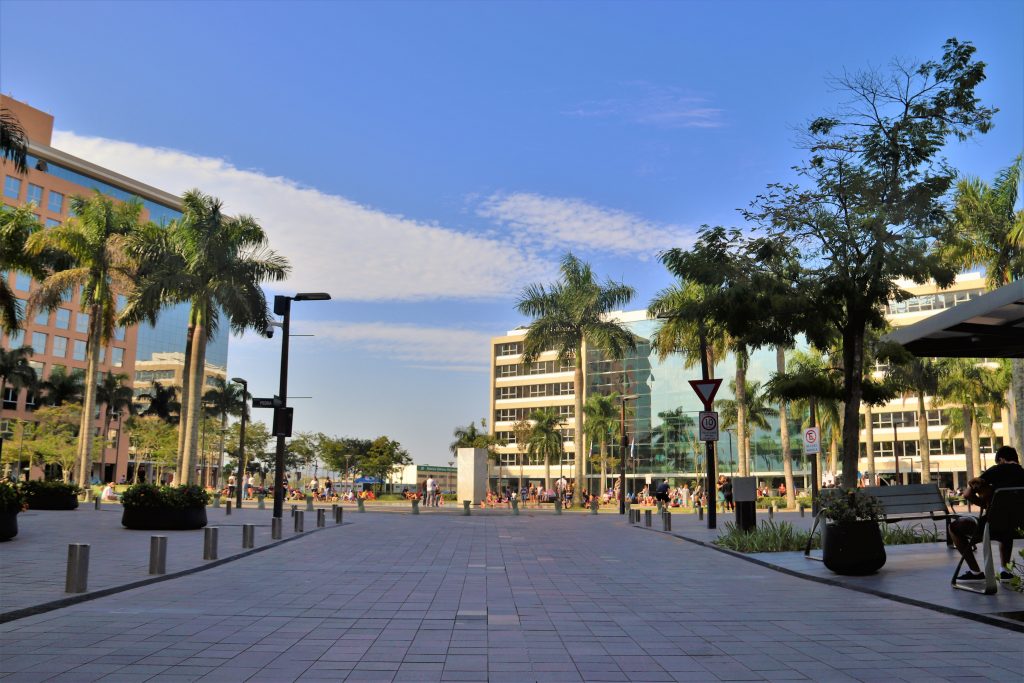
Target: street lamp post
283,307
239,482
895,458
622,454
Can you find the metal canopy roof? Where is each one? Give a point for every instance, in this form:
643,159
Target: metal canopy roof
991,326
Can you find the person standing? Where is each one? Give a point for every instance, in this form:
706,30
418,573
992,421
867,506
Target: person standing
431,491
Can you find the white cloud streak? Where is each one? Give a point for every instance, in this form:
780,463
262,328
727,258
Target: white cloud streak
334,244
553,222
655,105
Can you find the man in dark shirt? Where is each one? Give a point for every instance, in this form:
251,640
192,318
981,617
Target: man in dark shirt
661,494
1007,472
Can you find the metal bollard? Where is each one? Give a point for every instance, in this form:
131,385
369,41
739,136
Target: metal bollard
210,542
321,518
216,500
593,506
339,512
558,506
666,521
515,506
260,505
647,517
309,503
700,513
465,507
77,580
771,512
360,507
334,512
97,503
801,509
157,554
299,515
295,508
415,506
275,528
227,508
248,535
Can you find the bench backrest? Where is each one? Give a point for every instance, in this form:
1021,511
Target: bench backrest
909,499
1006,514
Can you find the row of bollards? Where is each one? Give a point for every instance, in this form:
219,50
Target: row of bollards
77,578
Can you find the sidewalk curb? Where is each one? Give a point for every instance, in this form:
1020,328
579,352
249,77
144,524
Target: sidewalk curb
951,611
42,608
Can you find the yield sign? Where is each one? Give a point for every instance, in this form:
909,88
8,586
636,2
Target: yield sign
706,390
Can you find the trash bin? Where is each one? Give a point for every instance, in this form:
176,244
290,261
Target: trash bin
744,495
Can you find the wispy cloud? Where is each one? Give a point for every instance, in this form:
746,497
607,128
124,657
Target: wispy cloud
553,222
334,244
654,105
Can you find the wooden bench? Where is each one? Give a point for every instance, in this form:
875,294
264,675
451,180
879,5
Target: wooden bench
900,503
1004,519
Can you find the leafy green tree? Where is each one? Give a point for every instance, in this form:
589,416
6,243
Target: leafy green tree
153,440
681,315
13,140
16,226
15,370
601,425
919,377
93,240
224,399
471,437
259,456
163,403
383,457
116,397
217,264
568,313
545,440
63,386
55,436
343,454
987,230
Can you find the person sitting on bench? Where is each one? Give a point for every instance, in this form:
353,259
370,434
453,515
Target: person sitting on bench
1005,473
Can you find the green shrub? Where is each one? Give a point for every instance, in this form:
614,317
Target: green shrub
768,537
894,534
143,496
188,496
766,502
849,505
804,500
153,496
11,498
34,488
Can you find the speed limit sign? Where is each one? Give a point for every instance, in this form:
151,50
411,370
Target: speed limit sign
812,438
708,426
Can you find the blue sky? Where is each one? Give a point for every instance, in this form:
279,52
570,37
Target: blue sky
423,161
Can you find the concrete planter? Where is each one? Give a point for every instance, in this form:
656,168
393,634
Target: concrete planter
164,519
8,525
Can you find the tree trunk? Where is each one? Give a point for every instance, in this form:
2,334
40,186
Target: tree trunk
547,473
194,414
869,443
976,445
741,411
853,380
968,420
1017,405
85,436
833,454
604,466
577,389
922,440
184,403
105,435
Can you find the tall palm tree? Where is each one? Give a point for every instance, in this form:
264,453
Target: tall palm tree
93,239
919,377
63,386
116,397
970,384
163,403
677,309
601,425
755,413
787,455
672,436
16,372
13,140
16,226
568,314
216,263
546,440
988,230
224,399
471,437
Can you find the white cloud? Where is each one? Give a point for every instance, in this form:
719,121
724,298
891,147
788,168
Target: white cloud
416,346
655,105
554,222
334,244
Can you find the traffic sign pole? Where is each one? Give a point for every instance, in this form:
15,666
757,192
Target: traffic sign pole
711,484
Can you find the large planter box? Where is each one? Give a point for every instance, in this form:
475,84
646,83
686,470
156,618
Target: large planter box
8,525
164,519
853,548
53,501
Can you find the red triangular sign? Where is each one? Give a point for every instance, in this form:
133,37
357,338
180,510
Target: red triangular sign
706,390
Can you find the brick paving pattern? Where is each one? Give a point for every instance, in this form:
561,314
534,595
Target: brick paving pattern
498,598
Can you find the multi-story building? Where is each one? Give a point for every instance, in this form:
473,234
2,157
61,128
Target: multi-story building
58,338
660,426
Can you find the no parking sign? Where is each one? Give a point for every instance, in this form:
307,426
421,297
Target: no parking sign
812,441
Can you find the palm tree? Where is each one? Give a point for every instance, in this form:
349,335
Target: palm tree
471,437
756,412
672,436
545,440
216,263
988,231
16,225
225,398
522,430
16,372
63,386
568,314
677,308
919,377
787,456
13,140
162,403
976,387
601,425
93,240
116,397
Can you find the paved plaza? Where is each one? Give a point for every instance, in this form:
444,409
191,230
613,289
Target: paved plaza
441,597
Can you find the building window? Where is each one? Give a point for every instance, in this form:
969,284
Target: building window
508,392
510,349
119,333
508,370
538,390
56,202
79,350
52,222
16,339
34,194
564,388
82,322
566,411
38,343
22,281
10,398
12,187
117,356
43,318
63,321
60,346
